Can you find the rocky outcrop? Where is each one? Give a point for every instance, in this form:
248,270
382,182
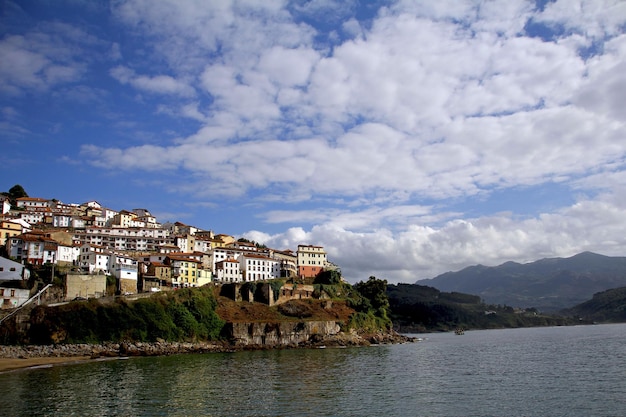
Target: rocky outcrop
285,333
305,334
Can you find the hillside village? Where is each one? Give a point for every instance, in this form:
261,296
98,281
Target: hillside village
89,243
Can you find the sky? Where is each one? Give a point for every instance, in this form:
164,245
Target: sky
409,138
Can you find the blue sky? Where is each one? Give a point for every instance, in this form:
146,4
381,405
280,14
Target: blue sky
409,138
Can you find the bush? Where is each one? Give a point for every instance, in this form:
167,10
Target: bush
182,315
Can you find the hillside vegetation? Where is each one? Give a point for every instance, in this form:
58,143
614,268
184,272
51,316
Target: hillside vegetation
605,307
197,314
417,308
187,314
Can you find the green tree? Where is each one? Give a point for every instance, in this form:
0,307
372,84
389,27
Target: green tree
15,192
372,305
375,290
330,277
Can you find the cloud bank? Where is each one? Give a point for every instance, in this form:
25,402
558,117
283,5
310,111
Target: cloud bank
409,138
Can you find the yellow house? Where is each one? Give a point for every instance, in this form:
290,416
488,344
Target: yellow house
9,229
184,270
124,219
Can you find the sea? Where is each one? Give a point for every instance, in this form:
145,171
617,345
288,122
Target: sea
547,371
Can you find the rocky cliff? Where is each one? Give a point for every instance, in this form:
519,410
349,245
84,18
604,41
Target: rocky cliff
286,333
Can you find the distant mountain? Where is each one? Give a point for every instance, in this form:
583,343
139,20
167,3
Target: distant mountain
549,284
606,307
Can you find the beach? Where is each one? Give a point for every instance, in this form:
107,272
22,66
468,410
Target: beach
11,364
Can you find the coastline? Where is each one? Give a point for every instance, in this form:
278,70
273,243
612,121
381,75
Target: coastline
14,364
14,357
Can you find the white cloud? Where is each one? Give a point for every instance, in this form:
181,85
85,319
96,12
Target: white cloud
44,57
427,104
595,19
27,65
161,84
421,252
287,67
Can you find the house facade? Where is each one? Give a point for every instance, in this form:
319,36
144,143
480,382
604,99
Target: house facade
184,270
12,271
5,204
9,229
228,270
34,248
29,203
311,260
258,267
13,297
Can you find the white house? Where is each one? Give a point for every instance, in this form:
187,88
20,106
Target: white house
61,220
13,297
94,259
11,270
33,217
5,204
228,270
67,255
92,204
258,267
29,203
36,249
124,268
144,216
221,254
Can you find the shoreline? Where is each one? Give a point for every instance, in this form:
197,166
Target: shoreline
14,357
16,364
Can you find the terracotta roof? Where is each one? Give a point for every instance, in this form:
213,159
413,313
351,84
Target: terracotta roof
251,255
31,199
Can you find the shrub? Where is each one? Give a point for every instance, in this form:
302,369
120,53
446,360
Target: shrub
182,315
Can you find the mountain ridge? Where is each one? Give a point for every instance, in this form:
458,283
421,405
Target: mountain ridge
549,284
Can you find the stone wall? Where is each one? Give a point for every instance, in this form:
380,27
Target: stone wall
85,286
128,286
264,293
294,292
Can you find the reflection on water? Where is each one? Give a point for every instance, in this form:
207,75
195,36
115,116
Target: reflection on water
546,371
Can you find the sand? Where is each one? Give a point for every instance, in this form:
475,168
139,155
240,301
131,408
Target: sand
11,364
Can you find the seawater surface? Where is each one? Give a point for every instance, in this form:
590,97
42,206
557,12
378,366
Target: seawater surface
555,371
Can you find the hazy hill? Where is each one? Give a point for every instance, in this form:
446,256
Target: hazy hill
548,284
606,306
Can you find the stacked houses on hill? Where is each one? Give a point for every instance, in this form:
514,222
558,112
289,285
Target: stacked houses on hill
141,253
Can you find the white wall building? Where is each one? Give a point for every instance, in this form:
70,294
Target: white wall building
94,259
221,254
5,204
228,270
258,268
13,297
67,254
11,270
29,203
